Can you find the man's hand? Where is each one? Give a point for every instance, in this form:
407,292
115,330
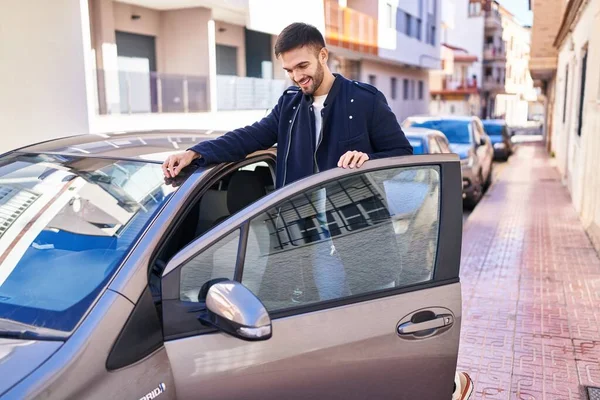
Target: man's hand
176,162
353,159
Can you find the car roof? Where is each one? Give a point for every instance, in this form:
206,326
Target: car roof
424,118
421,133
153,146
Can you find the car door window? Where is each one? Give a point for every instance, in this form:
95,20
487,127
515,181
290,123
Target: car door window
218,261
361,234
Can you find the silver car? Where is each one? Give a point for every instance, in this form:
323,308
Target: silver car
116,283
468,139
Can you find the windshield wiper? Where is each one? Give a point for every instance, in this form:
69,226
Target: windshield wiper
16,330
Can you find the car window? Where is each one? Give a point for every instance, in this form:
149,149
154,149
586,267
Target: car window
66,223
456,131
218,261
417,145
494,129
361,234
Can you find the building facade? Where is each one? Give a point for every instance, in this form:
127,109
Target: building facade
576,109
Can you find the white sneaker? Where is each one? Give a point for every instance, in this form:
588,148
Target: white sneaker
463,386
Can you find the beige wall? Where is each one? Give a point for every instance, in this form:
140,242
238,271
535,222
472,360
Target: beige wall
547,15
233,35
148,24
384,72
184,41
369,7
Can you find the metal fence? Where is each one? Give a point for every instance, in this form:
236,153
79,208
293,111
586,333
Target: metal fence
242,93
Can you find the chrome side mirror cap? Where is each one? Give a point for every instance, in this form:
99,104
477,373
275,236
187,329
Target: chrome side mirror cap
234,309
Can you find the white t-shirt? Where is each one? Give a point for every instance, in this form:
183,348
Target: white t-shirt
318,105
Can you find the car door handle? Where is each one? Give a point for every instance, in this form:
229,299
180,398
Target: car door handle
440,321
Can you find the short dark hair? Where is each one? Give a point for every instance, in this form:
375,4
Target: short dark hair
298,35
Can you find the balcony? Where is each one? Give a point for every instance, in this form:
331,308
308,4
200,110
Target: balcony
350,29
494,53
242,93
452,86
493,83
129,92
493,19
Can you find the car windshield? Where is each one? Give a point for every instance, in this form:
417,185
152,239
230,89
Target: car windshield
417,144
66,223
493,129
456,131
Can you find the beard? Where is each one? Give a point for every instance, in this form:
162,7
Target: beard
317,80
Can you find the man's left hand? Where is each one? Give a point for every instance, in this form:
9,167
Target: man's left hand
353,159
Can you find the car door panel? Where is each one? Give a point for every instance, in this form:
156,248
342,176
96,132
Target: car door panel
347,347
327,354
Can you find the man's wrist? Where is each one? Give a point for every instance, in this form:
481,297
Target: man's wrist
193,154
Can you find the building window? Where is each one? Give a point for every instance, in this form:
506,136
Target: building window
412,89
421,90
405,89
394,87
474,9
372,80
582,96
432,36
407,24
419,28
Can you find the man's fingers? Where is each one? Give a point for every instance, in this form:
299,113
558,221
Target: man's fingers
165,168
172,161
362,160
348,159
342,158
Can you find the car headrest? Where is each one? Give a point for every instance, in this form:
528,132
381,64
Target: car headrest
244,188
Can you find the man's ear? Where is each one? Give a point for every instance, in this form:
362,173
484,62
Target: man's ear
323,55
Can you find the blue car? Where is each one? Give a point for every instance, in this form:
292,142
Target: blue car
499,134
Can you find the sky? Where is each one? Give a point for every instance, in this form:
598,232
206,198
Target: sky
520,8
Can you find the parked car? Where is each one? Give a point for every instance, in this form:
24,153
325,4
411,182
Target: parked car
117,283
467,139
427,141
500,135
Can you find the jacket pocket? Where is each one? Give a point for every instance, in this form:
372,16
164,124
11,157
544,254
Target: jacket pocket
357,143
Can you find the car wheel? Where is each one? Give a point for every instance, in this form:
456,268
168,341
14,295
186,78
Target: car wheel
472,200
488,181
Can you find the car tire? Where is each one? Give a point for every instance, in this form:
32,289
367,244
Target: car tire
471,201
488,181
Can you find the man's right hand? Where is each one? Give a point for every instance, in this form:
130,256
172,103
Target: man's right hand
176,162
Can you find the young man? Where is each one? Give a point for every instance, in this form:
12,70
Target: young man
324,122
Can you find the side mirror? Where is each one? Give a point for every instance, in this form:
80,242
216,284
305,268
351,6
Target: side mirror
235,310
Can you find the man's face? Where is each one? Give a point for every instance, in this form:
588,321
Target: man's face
305,66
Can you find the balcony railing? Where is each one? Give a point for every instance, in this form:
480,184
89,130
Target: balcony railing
241,93
452,85
493,19
491,52
492,82
350,29
127,92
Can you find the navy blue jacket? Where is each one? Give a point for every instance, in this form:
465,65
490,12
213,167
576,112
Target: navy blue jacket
356,117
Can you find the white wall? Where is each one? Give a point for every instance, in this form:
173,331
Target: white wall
45,71
272,16
578,155
384,72
468,33
397,46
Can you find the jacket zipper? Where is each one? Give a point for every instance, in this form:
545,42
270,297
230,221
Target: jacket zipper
317,146
289,143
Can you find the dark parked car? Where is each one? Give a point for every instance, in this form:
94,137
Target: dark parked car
500,135
116,283
467,139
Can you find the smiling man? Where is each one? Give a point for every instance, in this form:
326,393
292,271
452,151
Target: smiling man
326,121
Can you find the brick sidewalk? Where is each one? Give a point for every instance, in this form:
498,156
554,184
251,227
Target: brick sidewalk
531,289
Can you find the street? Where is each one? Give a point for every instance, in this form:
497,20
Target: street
530,279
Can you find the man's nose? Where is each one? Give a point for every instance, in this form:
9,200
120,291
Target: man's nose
298,76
